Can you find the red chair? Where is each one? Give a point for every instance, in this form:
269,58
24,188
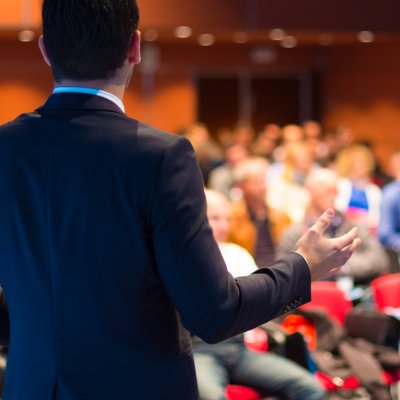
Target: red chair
256,340
236,392
386,291
327,296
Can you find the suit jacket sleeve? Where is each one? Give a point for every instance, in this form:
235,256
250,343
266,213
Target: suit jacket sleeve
212,304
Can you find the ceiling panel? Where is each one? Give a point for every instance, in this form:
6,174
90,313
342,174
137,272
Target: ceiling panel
330,15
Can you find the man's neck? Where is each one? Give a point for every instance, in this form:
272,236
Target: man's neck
117,90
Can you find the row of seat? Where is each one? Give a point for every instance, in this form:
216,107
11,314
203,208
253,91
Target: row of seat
327,296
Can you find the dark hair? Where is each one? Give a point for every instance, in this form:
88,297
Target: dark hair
88,39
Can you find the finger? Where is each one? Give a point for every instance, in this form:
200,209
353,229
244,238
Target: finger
323,221
348,251
351,247
346,240
356,243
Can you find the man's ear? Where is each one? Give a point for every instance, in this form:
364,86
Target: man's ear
43,51
134,49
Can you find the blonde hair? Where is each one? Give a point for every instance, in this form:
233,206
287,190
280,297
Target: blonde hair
215,196
344,160
292,151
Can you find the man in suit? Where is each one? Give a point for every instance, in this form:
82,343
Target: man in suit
106,256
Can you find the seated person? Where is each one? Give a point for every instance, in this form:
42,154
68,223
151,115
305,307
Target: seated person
218,365
369,260
358,197
389,224
221,178
254,225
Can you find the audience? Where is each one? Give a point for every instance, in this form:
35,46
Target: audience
254,225
288,193
369,260
358,197
266,142
208,153
316,143
243,135
278,183
221,178
230,361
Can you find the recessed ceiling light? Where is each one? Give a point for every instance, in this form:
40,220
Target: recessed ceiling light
183,32
366,36
240,37
150,35
26,36
277,34
206,39
289,42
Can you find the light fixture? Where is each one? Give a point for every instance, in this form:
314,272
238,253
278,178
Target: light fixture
26,35
240,37
277,34
183,32
366,36
289,42
150,35
206,39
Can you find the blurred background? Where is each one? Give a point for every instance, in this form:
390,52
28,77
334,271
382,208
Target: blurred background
253,61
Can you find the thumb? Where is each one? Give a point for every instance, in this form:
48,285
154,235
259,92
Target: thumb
323,221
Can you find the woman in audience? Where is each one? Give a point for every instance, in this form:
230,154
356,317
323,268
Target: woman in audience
389,224
358,198
287,192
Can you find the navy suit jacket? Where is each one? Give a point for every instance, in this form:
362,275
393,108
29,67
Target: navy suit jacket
107,259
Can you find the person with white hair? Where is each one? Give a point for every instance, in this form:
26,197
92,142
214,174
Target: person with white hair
369,260
254,225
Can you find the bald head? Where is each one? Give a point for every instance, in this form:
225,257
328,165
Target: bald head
218,214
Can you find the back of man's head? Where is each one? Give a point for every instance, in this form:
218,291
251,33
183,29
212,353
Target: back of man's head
88,39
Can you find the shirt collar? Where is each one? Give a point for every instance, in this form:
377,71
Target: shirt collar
95,92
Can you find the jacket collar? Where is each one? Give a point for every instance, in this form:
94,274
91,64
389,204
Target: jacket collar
78,102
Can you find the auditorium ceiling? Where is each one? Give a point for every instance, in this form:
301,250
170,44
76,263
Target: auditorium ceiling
207,22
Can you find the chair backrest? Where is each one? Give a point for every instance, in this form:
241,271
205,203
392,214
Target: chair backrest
256,340
327,296
386,291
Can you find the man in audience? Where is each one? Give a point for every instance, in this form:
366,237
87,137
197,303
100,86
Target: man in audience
389,224
369,260
254,225
230,361
221,178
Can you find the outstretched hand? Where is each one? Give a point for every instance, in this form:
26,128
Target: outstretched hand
325,255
